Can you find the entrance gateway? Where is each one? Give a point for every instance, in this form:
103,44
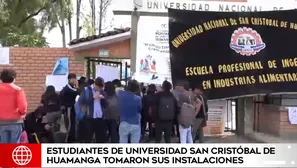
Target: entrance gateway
92,62
159,8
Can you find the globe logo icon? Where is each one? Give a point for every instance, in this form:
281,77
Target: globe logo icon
21,155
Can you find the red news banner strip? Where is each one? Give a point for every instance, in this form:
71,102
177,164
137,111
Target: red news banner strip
20,155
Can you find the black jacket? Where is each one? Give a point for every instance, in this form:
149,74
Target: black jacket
157,98
68,95
147,101
33,123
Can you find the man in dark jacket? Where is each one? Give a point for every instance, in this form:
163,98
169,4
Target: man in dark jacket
67,98
166,109
90,112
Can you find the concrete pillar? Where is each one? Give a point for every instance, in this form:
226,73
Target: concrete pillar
245,115
249,115
240,116
134,25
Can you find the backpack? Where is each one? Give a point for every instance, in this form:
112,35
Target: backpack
166,108
204,106
112,109
24,136
187,113
84,109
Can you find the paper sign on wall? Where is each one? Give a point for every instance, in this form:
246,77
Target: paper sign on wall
4,56
61,66
292,112
108,73
216,122
58,81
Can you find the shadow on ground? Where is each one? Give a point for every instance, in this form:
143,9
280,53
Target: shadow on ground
215,139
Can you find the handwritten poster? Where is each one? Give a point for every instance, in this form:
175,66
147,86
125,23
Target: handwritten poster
216,122
292,112
4,56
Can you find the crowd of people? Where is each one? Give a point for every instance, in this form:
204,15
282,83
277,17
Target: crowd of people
95,111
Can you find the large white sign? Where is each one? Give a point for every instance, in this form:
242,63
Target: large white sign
152,58
58,81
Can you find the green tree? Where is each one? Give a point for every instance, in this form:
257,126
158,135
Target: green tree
4,14
60,14
78,15
88,26
93,21
19,26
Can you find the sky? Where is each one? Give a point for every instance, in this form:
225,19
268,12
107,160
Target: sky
54,37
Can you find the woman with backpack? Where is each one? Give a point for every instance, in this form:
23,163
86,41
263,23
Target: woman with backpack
112,113
189,108
52,109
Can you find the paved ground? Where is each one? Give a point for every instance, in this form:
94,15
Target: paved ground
227,138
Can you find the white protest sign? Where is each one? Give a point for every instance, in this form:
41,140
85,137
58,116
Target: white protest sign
108,73
58,81
4,56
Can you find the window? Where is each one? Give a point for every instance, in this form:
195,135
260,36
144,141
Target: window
282,99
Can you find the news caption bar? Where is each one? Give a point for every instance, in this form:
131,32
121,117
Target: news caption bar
169,155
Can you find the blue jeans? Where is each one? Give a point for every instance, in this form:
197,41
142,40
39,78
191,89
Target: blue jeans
126,130
185,134
10,133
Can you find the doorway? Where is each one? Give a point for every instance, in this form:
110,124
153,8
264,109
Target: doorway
93,61
230,122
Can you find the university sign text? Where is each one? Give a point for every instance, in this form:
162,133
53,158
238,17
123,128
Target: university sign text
163,5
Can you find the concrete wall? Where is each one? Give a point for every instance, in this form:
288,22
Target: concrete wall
245,115
254,115
116,50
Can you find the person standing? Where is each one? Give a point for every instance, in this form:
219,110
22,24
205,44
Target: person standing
189,107
52,109
165,112
67,98
82,82
89,109
201,117
176,91
175,127
147,109
112,113
130,106
118,85
13,108
90,82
